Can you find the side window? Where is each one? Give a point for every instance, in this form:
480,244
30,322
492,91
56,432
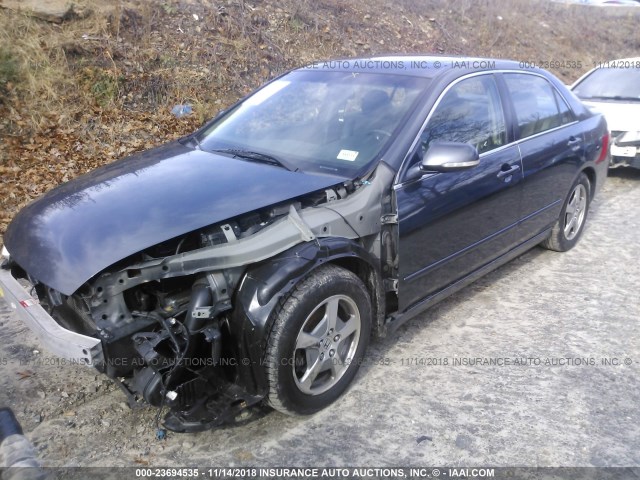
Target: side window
537,104
566,115
470,112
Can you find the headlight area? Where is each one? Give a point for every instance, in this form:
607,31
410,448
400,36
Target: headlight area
58,337
163,340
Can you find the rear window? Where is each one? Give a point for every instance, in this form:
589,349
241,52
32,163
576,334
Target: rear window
538,105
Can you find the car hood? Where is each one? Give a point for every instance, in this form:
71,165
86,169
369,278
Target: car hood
81,227
620,116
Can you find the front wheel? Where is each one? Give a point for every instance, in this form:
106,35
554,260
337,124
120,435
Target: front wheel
567,231
317,342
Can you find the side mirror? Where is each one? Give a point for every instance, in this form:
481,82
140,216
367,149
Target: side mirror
449,157
445,157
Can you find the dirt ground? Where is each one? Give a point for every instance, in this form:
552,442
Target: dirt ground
570,320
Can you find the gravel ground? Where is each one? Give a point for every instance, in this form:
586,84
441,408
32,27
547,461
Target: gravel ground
571,320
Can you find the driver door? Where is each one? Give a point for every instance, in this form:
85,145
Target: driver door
452,223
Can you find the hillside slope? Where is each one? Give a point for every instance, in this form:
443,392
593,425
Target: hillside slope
99,86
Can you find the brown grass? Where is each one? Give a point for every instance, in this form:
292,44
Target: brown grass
536,30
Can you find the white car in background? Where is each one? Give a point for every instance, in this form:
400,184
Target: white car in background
613,88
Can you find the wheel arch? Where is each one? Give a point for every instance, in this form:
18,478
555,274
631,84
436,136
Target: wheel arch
267,283
371,277
591,176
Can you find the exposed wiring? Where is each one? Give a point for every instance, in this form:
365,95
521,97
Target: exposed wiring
160,432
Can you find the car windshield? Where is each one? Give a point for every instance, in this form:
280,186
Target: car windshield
611,84
324,122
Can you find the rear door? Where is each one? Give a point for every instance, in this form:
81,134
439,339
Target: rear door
551,143
452,223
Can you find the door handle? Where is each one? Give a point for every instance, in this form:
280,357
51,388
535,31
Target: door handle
507,171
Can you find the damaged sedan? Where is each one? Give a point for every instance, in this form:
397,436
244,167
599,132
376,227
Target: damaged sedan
251,261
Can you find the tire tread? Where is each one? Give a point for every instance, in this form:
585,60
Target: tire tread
284,309
556,241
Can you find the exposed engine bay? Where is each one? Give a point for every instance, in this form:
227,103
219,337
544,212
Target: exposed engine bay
182,324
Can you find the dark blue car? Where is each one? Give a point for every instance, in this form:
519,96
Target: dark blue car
252,260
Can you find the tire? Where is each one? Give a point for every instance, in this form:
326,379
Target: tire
568,230
308,364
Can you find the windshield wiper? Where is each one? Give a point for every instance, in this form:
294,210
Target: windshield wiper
257,157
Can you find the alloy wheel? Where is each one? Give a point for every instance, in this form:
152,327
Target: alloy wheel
575,212
326,344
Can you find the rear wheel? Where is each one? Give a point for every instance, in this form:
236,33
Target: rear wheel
317,342
568,229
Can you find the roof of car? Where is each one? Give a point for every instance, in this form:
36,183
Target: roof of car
428,66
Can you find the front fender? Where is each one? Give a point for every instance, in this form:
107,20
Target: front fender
265,284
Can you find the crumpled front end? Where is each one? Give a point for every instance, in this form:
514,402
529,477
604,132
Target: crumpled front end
164,323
